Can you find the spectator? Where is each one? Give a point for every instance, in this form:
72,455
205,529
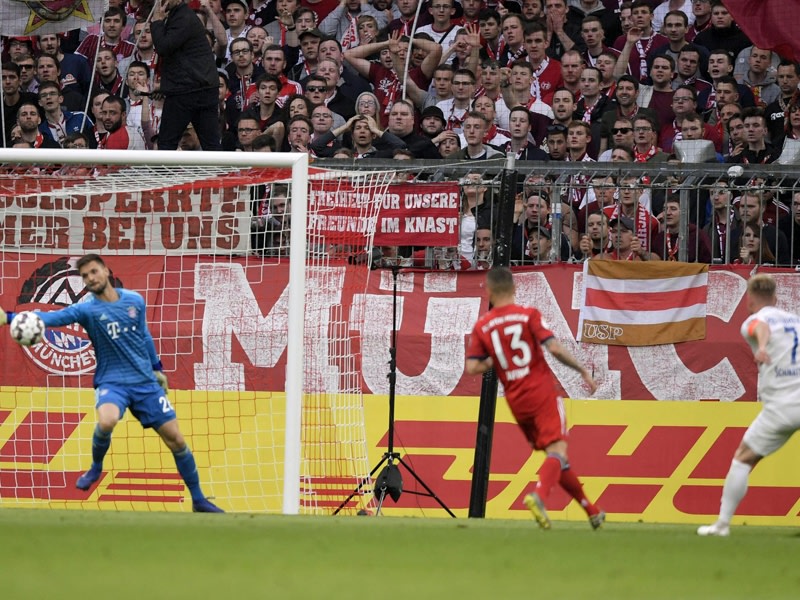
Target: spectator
483,256
513,48
494,135
369,141
689,70
77,141
59,123
776,112
661,11
793,121
724,33
274,63
48,69
342,22
257,36
658,97
401,124
19,47
96,112
603,24
546,72
247,130
29,122
405,22
625,105
532,9
119,136
243,74
724,219
564,35
676,28
269,116
736,137
145,50
795,229
442,30
606,63
564,107
645,225
692,128
595,241
571,66
684,102
520,124
441,87
759,77
432,122
351,84
638,47
557,142
493,43
518,93
298,105
113,23
236,12
490,82
299,134
456,108
13,98
27,72
472,201
75,71
321,124
720,65
107,75
447,144
335,100
624,244
475,127
593,103
754,248
621,135
665,243
189,141
726,113
751,213
701,10
758,150
189,79
309,44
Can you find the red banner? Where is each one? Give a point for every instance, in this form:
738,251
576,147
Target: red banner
221,324
423,214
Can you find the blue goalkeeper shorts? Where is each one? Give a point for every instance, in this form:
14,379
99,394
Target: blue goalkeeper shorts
147,402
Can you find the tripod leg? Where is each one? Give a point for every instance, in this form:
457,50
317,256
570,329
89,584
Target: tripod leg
361,485
431,493
380,502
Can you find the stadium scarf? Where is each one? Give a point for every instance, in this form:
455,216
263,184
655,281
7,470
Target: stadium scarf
641,157
588,110
671,251
514,57
492,54
37,143
537,90
641,218
406,26
756,89
350,37
609,92
643,55
722,231
283,33
58,130
454,121
490,134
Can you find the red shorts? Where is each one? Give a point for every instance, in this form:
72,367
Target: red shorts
547,425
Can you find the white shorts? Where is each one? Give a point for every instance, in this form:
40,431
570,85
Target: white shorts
771,429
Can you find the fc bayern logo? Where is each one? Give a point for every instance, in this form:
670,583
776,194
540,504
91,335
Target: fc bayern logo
66,350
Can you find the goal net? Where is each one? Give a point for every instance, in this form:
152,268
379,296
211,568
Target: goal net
244,280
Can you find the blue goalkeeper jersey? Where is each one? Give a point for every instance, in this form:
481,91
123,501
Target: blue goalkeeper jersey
123,346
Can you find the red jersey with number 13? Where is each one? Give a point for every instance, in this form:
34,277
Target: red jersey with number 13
513,336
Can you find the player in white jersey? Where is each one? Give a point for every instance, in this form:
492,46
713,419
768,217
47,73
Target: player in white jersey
773,335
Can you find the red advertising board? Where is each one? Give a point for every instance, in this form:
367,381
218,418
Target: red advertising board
214,319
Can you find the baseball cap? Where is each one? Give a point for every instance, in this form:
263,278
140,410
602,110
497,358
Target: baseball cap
434,111
626,222
242,3
315,32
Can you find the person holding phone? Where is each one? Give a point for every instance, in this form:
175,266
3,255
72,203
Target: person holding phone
189,78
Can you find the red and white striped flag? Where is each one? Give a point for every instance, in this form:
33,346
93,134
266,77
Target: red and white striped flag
643,304
19,18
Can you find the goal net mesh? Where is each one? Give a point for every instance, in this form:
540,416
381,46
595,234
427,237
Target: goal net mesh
209,249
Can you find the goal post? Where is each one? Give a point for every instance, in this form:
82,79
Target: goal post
252,333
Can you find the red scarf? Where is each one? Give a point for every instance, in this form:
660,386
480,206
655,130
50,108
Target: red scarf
644,157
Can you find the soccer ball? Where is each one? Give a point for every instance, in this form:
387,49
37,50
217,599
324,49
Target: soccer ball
27,328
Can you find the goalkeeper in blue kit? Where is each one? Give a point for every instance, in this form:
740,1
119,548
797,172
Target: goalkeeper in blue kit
128,374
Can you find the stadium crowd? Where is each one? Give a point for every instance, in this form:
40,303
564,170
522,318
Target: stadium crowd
468,80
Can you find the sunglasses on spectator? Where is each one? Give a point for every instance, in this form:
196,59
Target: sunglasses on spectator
618,130
557,128
316,88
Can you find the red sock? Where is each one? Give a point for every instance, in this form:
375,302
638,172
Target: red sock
548,476
572,485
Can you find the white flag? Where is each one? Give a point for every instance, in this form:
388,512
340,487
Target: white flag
37,17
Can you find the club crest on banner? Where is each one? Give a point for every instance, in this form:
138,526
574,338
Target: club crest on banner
44,12
65,350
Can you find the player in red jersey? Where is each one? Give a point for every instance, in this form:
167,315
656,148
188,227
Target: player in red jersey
509,338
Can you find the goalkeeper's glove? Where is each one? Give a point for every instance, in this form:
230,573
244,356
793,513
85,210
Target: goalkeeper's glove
3,317
162,381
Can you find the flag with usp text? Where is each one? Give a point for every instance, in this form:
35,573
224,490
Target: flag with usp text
38,17
643,303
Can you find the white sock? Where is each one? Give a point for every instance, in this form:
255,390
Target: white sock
734,490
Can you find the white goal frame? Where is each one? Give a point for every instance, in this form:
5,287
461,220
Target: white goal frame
299,163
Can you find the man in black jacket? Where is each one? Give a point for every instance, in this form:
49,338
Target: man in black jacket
189,79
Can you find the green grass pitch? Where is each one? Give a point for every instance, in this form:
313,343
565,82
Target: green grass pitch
87,554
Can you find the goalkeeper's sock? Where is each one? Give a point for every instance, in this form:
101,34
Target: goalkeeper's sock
184,460
548,475
573,486
734,490
101,441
